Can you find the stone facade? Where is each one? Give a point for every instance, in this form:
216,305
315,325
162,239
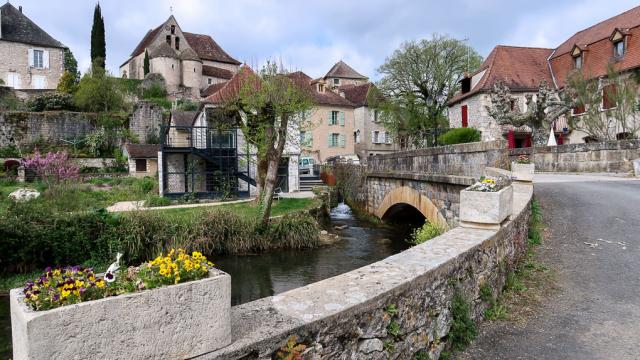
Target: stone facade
151,168
396,308
15,64
365,131
610,156
145,121
26,128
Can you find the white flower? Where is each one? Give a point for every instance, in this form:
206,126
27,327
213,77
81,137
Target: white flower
110,274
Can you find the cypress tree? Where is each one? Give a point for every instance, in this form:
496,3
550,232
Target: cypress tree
145,65
98,43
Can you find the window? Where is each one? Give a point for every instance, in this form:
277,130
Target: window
334,120
387,138
465,85
306,138
320,88
618,49
577,61
356,136
168,38
38,59
177,43
38,82
375,136
13,80
376,117
141,165
336,81
465,116
173,29
609,93
578,110
221,139
209,80
334,140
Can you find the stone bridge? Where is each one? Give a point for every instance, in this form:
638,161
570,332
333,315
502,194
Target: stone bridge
428,180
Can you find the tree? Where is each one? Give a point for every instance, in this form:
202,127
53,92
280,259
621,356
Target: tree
146,66
98,43
71,64
67,83
588,95
272,103
540,113
418,81
99,92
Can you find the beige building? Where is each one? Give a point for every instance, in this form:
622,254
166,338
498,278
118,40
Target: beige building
29,57
143,159
189,63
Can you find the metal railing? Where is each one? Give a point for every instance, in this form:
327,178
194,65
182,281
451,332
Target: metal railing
200,137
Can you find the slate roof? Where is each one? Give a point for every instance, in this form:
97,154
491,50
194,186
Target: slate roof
183,118
342,70
17,27
520,68
602,30
216,72
142,151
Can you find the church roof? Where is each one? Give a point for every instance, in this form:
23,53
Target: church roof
208,49
189,54
342,70
216,72
17,27
162,50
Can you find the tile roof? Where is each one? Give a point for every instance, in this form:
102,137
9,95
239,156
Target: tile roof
209,90
231,89
208,49
142,151
17,27
182,118
357,94
162,50
342,70
327,97
601,30
520,68
216,72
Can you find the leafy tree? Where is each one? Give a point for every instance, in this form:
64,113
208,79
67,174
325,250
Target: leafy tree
273,104
540,113
587,95
98,43
418,81
146,65
68,83
71,64
99,92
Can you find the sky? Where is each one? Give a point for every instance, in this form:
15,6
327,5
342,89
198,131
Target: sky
312,35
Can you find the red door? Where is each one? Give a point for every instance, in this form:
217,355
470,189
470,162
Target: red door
465,116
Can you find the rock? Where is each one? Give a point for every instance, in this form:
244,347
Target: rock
340,227
370,346
24,194
324,232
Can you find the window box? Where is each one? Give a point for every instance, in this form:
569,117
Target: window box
485,209
178,321
522,172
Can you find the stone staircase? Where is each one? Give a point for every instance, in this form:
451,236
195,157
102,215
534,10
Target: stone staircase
307,183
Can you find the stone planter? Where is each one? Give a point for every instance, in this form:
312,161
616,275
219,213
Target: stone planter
485,210
172,322
522,172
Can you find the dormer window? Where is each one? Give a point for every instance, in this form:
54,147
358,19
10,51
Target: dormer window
618,49
578,57
320,88
336,82
465,85
619,44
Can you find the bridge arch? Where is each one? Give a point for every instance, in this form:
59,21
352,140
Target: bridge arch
410,196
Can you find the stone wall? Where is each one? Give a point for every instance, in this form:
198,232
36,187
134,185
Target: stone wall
395,308
50,126
461,160
146,120
610,156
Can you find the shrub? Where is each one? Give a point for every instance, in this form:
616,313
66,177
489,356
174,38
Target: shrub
53,167
155,201
459,136
155,91
425,233
463,329
294,232
51,101
99,92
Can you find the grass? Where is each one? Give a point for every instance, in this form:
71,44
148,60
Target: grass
249,209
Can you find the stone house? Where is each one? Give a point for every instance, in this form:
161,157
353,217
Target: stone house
370,136
341,74
591,51
29,57
189,62
143,159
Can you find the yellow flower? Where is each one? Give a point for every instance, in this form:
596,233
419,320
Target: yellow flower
56,272
65,293
79,283
100,284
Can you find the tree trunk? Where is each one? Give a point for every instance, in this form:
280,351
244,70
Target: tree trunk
273,155
539,136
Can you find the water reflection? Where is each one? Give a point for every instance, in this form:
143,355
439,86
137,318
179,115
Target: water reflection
257,276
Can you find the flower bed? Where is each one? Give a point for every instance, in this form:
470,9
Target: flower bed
486,204
176,306
522,169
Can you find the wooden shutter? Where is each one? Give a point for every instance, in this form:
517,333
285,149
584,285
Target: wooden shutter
342,140
383,136
465,116
31,58
330,115
45,59
330,140
341,115
609,93
373,137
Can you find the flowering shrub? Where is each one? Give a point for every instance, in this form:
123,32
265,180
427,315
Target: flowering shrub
71,285
175,267
488,185
53,167
63,286
523,159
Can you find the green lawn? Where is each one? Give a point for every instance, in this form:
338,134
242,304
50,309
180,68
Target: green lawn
249,209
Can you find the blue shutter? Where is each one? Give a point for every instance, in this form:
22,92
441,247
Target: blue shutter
329,117
341,114
342,140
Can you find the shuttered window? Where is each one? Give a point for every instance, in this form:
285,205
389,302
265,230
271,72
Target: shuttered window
141,165
609,93
465,116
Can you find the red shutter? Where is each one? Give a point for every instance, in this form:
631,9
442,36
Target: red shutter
608,96
465,116
560,140
511,139
527,141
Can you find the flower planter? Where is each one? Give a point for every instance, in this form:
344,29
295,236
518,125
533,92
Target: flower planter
172,322
522,172
485,209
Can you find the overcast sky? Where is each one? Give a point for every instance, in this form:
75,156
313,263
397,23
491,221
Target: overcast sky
313,35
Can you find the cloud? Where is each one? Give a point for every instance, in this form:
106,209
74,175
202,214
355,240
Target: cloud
313,35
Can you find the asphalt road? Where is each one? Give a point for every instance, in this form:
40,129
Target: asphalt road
594,247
